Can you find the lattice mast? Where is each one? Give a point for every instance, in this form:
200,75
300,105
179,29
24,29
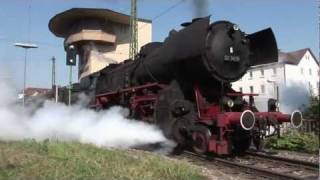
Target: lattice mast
133,30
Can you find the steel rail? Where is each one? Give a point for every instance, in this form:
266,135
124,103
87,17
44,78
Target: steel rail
247,168
287,160
266,172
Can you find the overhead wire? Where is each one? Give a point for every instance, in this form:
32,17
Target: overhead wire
164,12
55,45
168,9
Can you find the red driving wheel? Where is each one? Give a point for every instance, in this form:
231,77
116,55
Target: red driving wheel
200,140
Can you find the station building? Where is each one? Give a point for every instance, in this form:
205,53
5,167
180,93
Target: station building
291,80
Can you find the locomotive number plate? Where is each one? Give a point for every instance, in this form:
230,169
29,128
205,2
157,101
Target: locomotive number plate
231,58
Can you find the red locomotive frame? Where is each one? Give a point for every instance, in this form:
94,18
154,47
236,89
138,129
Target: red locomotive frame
143,100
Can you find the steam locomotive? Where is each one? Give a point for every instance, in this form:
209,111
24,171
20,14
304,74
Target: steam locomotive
183,85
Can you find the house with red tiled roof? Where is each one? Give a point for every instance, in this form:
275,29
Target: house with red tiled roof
291,80
33,92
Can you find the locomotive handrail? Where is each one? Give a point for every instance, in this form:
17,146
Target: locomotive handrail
133,89
242,94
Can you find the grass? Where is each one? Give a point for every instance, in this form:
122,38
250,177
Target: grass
57,160
294,140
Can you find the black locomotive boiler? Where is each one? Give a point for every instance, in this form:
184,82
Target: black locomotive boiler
183,85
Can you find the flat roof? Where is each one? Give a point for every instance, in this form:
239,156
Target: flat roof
60,23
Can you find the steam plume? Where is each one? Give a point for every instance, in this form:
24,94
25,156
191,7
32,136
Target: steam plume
108,128
200,8
292,96
295,96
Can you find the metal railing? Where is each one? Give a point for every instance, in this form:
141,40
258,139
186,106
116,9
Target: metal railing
310,126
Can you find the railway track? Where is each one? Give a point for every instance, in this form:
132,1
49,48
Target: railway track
289,161
259,167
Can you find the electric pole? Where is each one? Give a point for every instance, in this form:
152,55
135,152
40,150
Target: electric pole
53,85
70,85
53,59
133,30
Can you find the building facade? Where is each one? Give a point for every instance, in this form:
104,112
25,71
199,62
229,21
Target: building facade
292,80
100,36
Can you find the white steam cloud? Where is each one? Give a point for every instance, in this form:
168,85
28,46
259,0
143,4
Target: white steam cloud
295,96
200,8
108,128
292,96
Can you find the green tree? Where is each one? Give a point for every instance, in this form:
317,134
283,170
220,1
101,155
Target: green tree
312,112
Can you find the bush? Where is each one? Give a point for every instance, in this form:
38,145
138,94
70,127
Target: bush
294,141
313,111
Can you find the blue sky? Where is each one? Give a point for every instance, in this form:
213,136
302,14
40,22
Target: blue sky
294,22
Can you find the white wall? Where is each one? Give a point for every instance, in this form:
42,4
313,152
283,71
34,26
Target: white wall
310,74
269,79
300,84
294,91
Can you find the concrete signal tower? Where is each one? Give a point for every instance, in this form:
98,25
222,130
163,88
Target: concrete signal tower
101,36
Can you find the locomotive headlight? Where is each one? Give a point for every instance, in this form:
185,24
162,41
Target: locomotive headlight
230,103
